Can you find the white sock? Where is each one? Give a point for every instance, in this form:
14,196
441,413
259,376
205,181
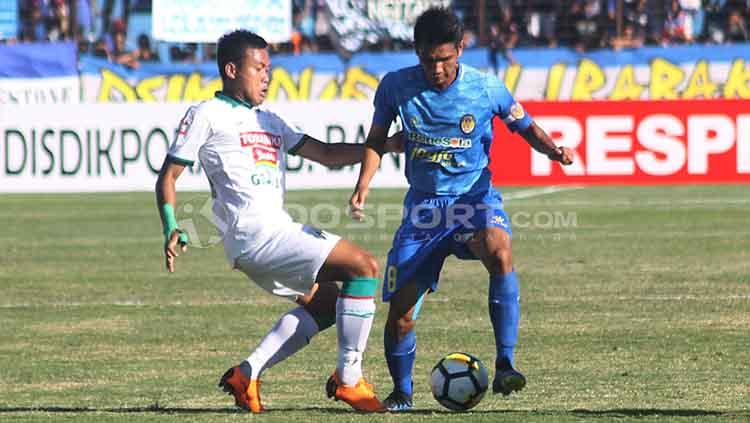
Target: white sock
290,334
354,316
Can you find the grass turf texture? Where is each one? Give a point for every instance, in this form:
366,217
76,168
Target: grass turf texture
635,307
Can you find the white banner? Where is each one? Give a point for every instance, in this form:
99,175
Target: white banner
120,147
202,21
49,90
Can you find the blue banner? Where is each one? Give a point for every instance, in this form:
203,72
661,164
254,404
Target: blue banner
38,60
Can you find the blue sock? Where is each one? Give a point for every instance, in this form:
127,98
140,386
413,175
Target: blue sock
504,313
400,357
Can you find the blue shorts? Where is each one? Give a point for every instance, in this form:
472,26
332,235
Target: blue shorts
435,227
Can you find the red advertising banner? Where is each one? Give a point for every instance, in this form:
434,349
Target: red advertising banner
631,142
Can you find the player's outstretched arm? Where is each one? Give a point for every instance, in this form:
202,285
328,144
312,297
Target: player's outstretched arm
541,142
341,154
166,197
374,149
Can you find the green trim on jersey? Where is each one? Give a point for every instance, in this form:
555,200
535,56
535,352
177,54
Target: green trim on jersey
180,161
302,141
233,101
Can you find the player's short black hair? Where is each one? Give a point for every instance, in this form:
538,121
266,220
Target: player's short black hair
435,26
232,46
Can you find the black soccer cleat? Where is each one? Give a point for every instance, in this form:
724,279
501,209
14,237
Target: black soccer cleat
508,381
398,401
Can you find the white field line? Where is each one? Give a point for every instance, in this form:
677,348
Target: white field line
658,203
538,192
654,298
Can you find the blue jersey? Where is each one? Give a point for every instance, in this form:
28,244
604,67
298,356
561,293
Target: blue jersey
448,132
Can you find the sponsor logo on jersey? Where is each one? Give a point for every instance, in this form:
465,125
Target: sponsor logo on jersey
443,158
516,110
265,156
255,138
453,142
499,220
468,123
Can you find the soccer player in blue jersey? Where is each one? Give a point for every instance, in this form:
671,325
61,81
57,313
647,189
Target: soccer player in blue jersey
446,109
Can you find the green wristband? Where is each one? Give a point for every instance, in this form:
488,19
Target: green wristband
169,223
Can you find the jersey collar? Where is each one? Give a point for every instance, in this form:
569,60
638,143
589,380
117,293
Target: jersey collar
233,101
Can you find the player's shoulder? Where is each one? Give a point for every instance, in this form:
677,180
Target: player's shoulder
206,109
473,76
266,113
404,76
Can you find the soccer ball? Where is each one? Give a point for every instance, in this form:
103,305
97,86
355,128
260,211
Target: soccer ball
459,381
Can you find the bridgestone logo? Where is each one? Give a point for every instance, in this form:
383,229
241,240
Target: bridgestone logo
440,141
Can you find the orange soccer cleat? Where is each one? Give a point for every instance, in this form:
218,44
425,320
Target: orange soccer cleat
246,391
360,396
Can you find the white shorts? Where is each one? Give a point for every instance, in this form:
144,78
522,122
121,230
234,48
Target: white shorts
287,261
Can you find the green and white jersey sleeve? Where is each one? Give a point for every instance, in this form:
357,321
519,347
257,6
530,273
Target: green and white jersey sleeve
291,137
194,130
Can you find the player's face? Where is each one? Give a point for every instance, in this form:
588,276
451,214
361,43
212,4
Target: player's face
440,64
253,75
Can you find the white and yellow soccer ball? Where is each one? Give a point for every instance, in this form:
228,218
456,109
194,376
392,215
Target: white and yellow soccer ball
459,381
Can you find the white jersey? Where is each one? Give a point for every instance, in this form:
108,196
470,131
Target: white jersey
242,151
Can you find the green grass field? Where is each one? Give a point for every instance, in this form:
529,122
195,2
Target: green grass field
635,307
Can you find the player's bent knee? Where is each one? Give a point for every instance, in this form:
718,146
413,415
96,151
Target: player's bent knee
366,265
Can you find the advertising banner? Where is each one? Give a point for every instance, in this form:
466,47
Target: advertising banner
199,21
656,73
633,142
121,147
45,73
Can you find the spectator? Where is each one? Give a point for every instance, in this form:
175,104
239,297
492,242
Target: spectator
737,27
695,16
469,39
120,54
628,39
32,27
144,53
190,53
587,16
541,18
58,22
716,19
84,19
678,25
503,37
175,54
296,41
638,15
209,52
100,49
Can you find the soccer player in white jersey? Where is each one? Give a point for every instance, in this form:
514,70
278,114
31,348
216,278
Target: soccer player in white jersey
241,148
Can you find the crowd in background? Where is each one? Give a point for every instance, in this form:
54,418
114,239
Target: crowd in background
100,26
